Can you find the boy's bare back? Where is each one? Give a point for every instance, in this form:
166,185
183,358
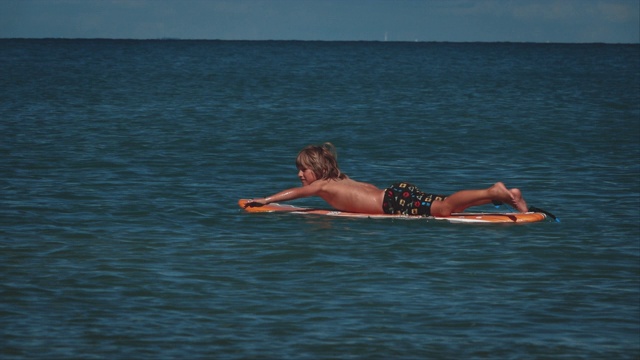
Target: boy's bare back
351,195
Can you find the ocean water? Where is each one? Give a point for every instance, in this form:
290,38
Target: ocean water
122,162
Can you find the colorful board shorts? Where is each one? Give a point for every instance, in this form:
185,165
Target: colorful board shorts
406,199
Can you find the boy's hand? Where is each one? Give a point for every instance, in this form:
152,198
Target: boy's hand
255,203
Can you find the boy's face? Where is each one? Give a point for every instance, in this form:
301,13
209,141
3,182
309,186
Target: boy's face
307,177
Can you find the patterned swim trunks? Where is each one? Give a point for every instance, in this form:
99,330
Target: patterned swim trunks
406,199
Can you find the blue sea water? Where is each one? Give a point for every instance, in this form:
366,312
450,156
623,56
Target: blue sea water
122,162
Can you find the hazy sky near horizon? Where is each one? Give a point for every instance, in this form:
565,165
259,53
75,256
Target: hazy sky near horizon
566,21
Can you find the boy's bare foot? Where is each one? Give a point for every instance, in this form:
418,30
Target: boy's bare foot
511,197
518,201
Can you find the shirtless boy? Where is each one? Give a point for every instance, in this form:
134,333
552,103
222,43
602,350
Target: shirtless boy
320,176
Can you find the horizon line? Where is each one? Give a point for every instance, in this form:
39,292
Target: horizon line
298,40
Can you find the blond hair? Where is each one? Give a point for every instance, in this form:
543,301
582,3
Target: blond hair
322,160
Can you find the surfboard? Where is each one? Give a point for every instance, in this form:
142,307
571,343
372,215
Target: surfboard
464,217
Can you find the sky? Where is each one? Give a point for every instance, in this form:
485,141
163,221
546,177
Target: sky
557,21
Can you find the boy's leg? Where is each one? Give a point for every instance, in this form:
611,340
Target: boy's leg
461,200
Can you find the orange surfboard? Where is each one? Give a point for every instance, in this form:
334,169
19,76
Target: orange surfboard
491,218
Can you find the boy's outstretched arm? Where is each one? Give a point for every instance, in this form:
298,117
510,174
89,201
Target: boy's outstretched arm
285,195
